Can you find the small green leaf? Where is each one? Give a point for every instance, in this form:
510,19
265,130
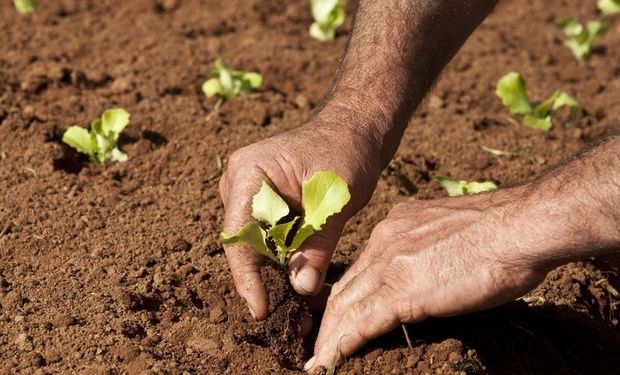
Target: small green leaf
280,232
268,206
25,6
538,123
118,156
252,235
562,99
479,187
113,122
80,139
323,195
580,39
302,234
453,187
608,7
254,80
227,83
511,90
212,87
328,15
462,187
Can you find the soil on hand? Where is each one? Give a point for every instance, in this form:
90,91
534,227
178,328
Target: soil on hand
281,332
118,269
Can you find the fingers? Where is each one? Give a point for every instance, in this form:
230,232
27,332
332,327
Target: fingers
308,266
243,261
363,321
361,286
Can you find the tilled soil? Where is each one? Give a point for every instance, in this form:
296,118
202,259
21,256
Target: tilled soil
118,269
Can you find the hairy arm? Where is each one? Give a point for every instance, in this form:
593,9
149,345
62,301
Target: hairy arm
396,51
577,205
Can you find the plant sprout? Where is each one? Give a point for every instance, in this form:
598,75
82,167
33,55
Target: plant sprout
608,7
462,187
580,38
276,237
511,90
25,6
100,143
227,83
328,15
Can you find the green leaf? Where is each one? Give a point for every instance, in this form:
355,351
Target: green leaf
118,156
453,187
254,80
462,187
227,83
280,232
113,122
268,206
323,195
479,187
80,139
252,235
562,99
608,7
328,15
580,39
511,90
212,87
538,123
25,6
302,234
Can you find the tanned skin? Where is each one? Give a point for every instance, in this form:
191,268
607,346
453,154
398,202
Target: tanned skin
427,258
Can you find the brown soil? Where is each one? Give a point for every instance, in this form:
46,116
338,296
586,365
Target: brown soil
118,269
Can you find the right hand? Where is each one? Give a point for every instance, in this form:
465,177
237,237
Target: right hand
285,161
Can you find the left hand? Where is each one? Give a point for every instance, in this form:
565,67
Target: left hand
434,258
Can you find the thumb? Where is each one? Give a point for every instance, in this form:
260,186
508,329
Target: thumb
308,266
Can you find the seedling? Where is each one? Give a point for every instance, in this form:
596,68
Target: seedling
323,195
226,83
328,15
100,143
462,187
25,6
580,38
511,89
608,7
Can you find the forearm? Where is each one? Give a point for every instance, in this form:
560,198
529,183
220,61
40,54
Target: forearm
396,51
574,210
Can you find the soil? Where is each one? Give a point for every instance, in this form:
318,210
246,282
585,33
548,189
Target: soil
118,269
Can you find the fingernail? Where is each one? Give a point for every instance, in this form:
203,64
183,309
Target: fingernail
308,279
309,364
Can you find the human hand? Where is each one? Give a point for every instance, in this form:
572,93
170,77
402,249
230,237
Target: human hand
285,161
433,258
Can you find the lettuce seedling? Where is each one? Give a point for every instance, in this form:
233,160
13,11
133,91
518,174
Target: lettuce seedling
25,6
323,195
608,7
328,15
462,187
227,83
511,90
100,143
580,39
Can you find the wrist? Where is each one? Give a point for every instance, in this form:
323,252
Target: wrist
372,129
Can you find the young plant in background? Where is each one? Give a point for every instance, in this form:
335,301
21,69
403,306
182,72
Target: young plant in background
328,15
511,90
462,187
608,7
25,6
323,195
579,38
226,83
100,142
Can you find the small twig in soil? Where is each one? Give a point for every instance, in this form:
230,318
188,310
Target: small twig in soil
407,336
